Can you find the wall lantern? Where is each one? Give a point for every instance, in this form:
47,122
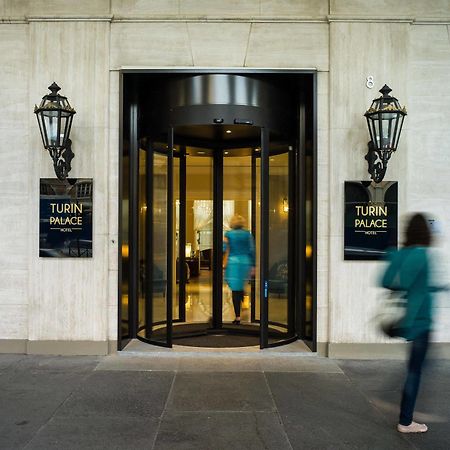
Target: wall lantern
385,121
55,116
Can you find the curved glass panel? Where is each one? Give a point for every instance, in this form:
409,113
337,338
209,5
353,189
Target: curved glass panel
278,255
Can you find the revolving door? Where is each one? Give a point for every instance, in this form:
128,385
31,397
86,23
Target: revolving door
192,177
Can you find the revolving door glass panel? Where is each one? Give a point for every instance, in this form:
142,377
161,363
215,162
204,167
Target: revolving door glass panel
240,192
280,308
155,244
217,180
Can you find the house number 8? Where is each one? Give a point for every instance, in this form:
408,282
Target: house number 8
369,82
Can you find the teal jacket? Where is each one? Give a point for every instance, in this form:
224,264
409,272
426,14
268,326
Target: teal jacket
409,271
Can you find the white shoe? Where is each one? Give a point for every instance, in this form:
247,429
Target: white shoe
413,427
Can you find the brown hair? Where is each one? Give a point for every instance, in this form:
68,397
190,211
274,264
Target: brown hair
237,221
418,231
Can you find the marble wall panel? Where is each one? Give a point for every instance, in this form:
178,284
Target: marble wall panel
150,45
322,323
361,50
294,8
13,287
288,45
69,301
145,8
223,8
14,79
410,8
17,8
354,56
68,297
76,56
15,157
353,294
14,167
13,321
429,149
219,44
113,280
112,323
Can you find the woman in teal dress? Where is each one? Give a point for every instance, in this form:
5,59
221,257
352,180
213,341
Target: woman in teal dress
239,261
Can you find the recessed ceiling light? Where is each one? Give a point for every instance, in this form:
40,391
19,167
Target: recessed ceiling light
226,153
200,153
228,131
256,149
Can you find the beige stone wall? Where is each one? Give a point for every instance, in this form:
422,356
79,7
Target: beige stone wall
67,298
429,144
82,45
15,167
359,50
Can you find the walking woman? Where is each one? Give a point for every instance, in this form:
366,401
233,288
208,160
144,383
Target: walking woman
409,271
239,261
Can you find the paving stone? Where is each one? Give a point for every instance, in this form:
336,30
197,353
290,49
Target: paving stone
8,360
325,411
24,411
221,431
139,363
374,375
59,363
220,392
299,364
220,364
109,433
128,394
15,378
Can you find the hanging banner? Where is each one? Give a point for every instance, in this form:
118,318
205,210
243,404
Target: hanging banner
371,219
65,220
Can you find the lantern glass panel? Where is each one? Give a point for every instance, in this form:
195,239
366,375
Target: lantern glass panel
63,129
375,130
51,127
399,129
386,128
41,128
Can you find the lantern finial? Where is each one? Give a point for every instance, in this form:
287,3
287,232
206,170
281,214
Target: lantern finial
385,90
54,88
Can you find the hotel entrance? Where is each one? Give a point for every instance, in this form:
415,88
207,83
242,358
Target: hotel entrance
220,145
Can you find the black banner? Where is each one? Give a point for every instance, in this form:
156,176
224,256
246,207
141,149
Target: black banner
65,222
371,219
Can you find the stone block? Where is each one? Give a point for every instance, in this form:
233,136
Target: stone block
224,8
294,8
145,8
288,45
150,45
219,44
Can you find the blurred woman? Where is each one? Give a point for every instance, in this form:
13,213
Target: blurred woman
239,261
409,271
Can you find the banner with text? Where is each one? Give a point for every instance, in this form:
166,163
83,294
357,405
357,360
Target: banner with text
371,219
65,221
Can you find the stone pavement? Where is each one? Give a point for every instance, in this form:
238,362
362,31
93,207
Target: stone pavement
163,399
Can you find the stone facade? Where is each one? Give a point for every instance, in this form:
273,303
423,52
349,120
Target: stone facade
71,305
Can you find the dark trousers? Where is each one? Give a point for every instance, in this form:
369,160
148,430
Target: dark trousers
415,364
238,296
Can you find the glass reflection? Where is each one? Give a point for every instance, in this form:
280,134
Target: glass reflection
159,207
278,242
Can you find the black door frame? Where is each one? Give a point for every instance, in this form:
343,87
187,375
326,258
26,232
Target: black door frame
123,338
